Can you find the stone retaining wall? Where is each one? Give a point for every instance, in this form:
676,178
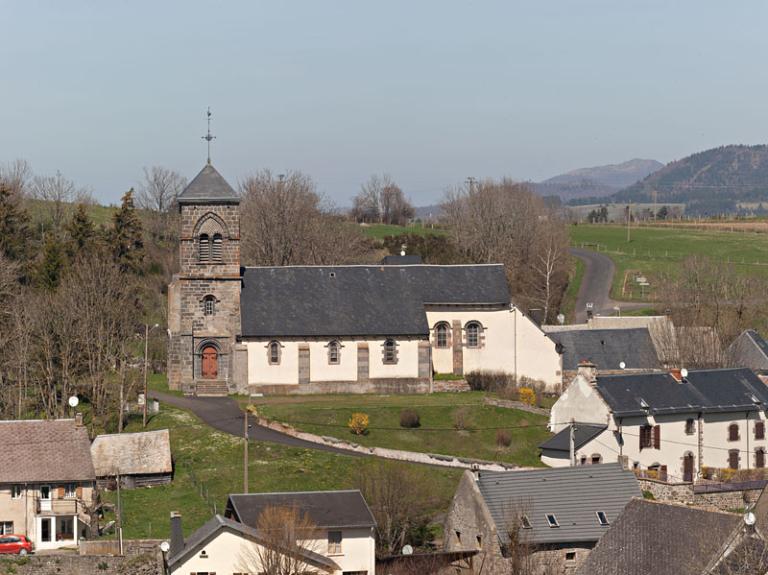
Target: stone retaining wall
509,404
683,493
456,385
68,564
383,452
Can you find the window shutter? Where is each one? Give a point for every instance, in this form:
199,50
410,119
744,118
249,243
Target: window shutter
642,437
657,437
79,492
61,492
759,430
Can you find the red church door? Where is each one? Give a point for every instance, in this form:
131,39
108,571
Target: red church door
210,362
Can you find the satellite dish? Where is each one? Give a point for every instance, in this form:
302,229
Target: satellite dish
560,319
165,547
402,253
73,401
749,518
684,373
622,365
407,550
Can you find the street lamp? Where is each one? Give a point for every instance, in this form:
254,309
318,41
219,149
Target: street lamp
147,329
165,547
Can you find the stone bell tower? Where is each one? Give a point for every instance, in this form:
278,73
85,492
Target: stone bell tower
204,297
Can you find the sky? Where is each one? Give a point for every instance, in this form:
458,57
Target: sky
430,92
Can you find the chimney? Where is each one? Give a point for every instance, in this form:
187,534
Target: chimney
677,374
177,534
78,420
588,371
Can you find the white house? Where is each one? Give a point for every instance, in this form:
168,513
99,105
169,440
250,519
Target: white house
672,423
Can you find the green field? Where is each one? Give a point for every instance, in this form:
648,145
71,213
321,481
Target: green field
208,465
328,416
380,231
653,252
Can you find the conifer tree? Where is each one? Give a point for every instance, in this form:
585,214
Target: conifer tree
126,237
82,232
52,263
14,225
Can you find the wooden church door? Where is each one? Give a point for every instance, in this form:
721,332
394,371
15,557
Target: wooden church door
210,368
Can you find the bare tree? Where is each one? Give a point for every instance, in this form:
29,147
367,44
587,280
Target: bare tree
522,555
288,535
285,222
549,263
59,196
157,194
17,175
381,200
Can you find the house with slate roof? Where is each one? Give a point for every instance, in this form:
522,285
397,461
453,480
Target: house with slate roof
545,518
672,424
325,329
749,350
47,481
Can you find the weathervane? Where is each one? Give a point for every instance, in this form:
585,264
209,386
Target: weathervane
208,136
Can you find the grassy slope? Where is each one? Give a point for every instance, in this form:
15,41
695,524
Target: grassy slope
575,277
210,462
328,415
656,251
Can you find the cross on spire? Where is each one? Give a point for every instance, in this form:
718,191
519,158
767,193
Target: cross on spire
208,136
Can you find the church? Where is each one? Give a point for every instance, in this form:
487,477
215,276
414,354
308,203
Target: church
387,328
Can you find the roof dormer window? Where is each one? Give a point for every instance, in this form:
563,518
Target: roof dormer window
602,519
552,520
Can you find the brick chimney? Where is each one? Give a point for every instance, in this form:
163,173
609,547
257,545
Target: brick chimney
177,534
677,374
588,371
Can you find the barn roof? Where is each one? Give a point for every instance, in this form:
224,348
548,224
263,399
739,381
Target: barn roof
143,453
44,450
361,300
608,348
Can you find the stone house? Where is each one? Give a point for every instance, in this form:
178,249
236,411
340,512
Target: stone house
548,519
47,481
749,350
320,329
673,424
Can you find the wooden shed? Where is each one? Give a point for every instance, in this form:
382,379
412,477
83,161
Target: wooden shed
138,459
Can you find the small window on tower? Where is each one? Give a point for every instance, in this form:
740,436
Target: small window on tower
203,249
209,305
216,248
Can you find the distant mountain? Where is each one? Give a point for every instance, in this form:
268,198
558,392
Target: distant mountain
728,179
597,181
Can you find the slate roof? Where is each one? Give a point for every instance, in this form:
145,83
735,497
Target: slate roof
217,524
706,391
662,539
573,494
607,348
144,453
360,300
208,186
406,260
585,432
749,350
44,450
326,509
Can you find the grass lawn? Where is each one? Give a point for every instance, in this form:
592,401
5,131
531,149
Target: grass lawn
654,252
575,276
209,465
328,415
380,231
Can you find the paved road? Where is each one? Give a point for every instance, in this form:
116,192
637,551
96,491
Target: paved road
224,414
596,286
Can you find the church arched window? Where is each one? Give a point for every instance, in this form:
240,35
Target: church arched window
441,334
273,353
203,249
474,333
216,248
334,353
390,351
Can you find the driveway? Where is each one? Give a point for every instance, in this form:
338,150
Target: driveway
596,286
224,414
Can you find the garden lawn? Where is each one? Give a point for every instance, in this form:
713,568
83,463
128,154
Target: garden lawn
654,252
209,465
329,415
380,231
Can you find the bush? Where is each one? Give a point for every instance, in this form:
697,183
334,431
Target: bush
358,423
461,419
527,395
503,438
409,419
489,380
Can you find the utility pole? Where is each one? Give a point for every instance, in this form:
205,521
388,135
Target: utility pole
245,451
147,329
572,443
629,220
119,515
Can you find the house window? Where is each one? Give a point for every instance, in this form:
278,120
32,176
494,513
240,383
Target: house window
650,437
760,430
390,351
733,458
601,518
690,426
70,491
209,305
733,432
759,457
16,491
596,458
583,460
65,528
334,353
458,536
216,248
552,520
479,541
273,353
334,543
525,522
441,335
570,555
6,527
203,249
474,330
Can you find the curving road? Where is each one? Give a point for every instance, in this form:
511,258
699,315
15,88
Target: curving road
596,286
224,414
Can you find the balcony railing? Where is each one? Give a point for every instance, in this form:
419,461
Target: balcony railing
57,506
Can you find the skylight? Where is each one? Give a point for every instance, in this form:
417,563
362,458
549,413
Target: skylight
552,520
601,518
526,523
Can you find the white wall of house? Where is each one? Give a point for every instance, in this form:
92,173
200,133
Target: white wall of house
512,343
321,370
407,365
580,402
261,372
229,552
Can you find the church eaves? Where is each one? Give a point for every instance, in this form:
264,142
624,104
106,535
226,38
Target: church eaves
208,187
